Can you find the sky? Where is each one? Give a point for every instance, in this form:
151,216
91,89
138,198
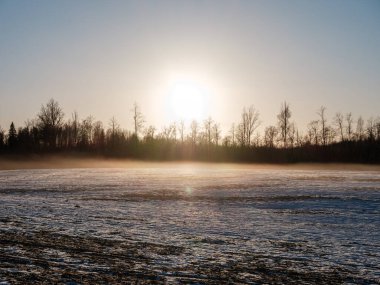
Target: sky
99,57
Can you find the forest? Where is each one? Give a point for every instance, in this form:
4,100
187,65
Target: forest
343,139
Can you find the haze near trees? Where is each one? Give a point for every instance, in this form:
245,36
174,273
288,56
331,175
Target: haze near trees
342,139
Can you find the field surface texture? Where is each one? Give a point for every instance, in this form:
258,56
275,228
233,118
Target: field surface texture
189,224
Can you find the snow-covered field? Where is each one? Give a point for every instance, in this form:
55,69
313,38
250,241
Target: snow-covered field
189,224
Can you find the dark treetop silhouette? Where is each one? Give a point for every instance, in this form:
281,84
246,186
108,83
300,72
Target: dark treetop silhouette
342,141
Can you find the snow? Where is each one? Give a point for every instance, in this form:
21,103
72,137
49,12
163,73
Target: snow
189,224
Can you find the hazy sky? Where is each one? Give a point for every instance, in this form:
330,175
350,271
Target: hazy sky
98,57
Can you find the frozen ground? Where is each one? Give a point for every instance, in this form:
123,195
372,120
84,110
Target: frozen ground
189,224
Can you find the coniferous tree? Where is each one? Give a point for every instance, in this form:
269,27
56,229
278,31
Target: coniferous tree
2,138
12,136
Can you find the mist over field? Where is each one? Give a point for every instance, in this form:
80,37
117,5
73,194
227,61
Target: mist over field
83,161
189,223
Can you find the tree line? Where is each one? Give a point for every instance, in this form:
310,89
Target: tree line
343,139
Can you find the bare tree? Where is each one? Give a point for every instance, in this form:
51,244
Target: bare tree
377,128
114,126
323,122
173,128
313,128
339,123
207,125
216,133
240,135
114,135
98,135
169,133
292,134
50,119
256,140
370,129
138,119
252,122
149,133
75,128
270,136
51,114
349,127
330,134
248,124
181,129
233,134
360,129
85,131
299,140
194,131
30,124
284,122
227,141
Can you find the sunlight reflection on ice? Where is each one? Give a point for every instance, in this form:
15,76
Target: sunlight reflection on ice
188,190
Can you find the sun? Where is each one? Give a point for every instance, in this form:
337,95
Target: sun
187,100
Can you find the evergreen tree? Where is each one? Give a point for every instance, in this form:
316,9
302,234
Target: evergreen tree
2,137
12,136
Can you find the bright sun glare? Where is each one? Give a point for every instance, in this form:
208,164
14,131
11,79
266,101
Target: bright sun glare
187,100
